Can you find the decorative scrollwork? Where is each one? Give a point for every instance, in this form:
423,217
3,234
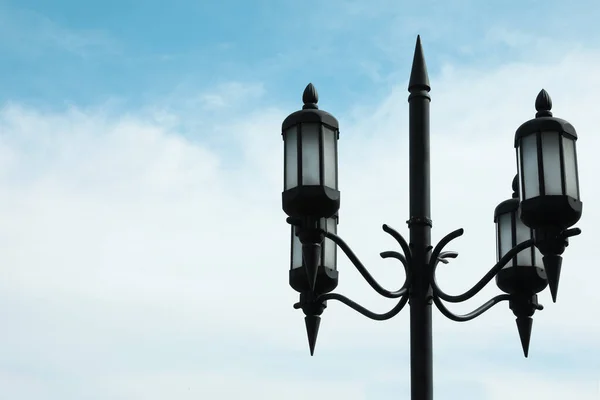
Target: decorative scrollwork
402,293
404,259
438,295
367,313
400,239
437,253
473,314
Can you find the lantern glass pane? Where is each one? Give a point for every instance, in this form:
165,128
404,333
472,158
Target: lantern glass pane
311,154
551,162
571,180
296,261
329,158
505,233
329,248
538,257
519,169
291,158
529,164
498,256
524,258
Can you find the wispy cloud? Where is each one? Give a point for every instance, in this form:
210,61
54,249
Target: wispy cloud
125,243
144,253
229,94
28,33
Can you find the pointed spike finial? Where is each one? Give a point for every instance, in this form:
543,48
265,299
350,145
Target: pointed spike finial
312,323
543,104
552,266
419,79
311,254
310,97
524,325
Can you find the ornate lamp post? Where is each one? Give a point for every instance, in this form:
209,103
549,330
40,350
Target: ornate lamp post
532,227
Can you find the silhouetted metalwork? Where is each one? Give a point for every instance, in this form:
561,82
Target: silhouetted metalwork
532,227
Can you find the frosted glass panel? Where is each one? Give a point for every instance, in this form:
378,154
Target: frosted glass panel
505,230
551,161
311,169
571,180
291,158
329,158
523,234
531,185
497,242
538,259
329,248
296,261
519,168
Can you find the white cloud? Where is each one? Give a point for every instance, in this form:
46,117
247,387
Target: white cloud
139,262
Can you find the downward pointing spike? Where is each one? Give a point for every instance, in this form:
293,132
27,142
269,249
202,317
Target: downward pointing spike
552,266
524,325
312,323
311,254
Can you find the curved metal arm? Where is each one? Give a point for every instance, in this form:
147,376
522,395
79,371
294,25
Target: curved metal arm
437,251
401,241
447,254
365,273
433,262
473,314
402,259
367,313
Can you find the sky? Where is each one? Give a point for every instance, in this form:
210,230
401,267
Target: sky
143,250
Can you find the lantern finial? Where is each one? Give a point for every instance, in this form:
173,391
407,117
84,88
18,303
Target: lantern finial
515,187
310,97
543,104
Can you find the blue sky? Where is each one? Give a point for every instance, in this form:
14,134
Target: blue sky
143,250
140,51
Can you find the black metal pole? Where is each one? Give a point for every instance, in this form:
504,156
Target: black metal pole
421,356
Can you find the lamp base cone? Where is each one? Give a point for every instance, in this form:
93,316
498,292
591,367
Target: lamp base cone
552,266
311,254
524,325
312,323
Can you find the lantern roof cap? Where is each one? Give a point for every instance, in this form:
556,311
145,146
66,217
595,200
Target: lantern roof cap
544,121
310,112
507,206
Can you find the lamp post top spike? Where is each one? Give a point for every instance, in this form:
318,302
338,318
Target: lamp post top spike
419,79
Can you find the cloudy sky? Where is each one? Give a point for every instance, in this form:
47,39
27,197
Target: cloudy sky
143,250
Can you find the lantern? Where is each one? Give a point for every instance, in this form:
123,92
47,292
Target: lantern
310,161
327,275
524,274
547,165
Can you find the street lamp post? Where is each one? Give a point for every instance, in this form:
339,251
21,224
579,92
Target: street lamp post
532,228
